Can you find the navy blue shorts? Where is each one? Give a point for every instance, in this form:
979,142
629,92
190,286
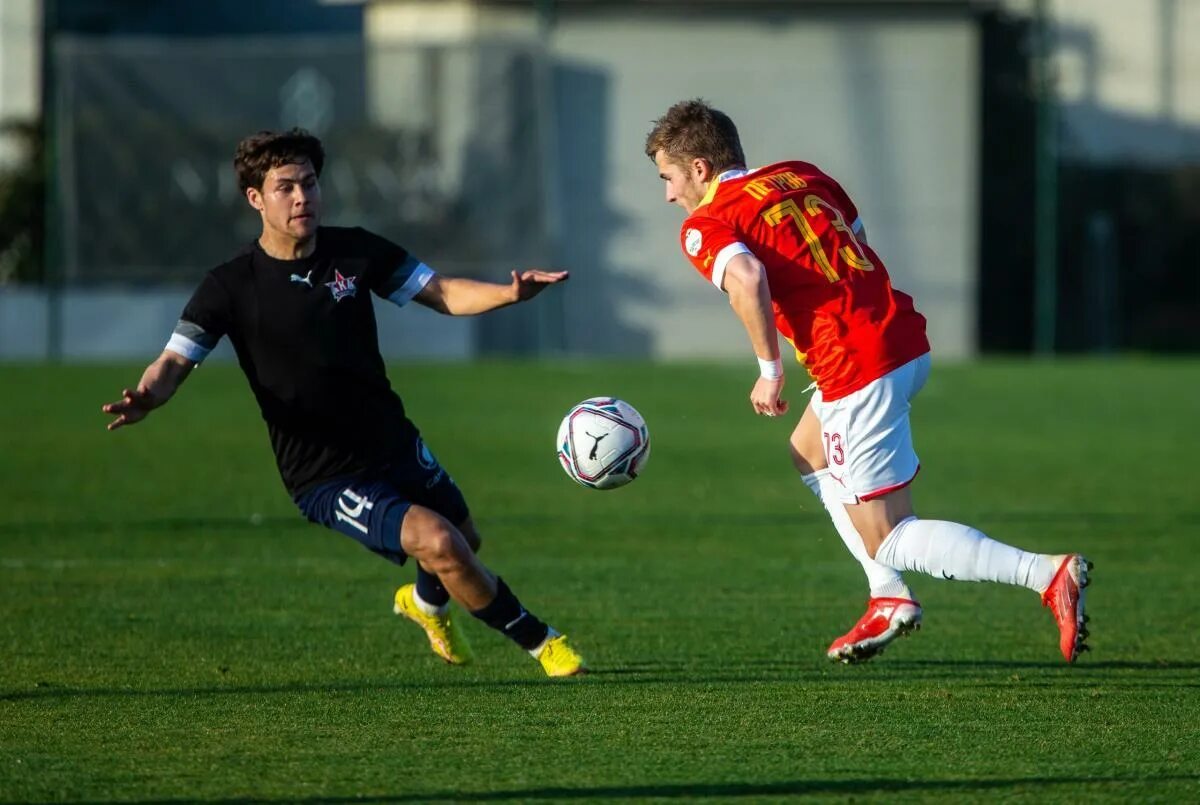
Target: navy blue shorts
372,506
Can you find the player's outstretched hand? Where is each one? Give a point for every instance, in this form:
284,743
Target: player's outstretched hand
132,407
528,284
765,397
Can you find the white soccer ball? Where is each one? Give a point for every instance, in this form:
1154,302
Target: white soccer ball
603,443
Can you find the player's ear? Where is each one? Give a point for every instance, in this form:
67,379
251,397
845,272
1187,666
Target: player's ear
254,197
701,169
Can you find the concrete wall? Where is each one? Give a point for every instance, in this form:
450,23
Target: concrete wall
886,103
1128,78
20,68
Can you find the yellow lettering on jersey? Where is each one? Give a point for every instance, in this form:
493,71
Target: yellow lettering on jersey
788,181
853,254
758,189
708,259
785,180
788,209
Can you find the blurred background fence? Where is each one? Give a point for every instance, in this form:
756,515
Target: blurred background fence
1029,169
144,136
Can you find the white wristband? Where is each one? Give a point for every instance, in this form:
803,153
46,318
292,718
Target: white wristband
770,370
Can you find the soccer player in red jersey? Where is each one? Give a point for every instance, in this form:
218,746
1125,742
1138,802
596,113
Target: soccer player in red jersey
787,245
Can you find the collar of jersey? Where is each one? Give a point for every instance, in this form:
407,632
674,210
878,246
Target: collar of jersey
732,173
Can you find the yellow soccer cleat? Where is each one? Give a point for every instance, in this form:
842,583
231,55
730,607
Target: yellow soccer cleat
558,658
445,638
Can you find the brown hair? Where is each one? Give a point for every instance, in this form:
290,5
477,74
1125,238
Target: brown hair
693,129
260,152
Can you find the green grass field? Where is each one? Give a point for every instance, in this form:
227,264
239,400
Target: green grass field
173,630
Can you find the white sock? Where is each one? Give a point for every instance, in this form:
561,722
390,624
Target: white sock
956,551
883,580
428,608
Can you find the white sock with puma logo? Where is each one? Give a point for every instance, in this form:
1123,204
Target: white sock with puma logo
955,551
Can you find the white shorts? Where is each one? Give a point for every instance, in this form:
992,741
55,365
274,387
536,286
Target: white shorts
867,437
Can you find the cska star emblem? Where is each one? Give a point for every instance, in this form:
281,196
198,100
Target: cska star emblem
341,287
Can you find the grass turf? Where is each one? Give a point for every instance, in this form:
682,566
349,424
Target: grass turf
173,630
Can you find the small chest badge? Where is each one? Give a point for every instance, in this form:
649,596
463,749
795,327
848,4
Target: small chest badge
341,287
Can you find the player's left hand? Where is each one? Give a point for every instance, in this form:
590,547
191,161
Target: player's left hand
132,408
528,284
765,397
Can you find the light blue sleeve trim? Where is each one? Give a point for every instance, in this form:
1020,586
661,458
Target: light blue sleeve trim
418,279
182,345
857,226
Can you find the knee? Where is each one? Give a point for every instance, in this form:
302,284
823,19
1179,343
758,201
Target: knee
806,462
872,530
874,538
432,540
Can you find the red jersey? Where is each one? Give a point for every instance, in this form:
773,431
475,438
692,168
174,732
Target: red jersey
830,292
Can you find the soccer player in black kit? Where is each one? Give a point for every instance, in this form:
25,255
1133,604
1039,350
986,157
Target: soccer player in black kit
296,305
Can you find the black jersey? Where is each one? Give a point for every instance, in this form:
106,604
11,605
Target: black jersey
305,335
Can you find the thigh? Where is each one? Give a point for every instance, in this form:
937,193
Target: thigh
874,519
867,436
808,454
421,479
368,509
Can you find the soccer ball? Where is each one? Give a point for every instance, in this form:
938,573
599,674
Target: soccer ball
603,443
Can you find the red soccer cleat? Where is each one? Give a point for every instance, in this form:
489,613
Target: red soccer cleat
885,620
1065,596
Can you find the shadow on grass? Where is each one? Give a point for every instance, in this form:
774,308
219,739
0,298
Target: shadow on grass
698,790
1080,667
658,673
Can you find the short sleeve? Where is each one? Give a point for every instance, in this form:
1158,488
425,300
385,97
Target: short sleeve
392,272
710,244
205,319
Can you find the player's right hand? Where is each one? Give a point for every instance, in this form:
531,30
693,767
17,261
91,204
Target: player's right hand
133,407
765,397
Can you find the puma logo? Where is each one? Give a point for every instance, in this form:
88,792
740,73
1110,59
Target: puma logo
596,445
306,279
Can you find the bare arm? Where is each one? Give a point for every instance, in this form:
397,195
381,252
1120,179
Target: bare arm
750,296
459,296
158,384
